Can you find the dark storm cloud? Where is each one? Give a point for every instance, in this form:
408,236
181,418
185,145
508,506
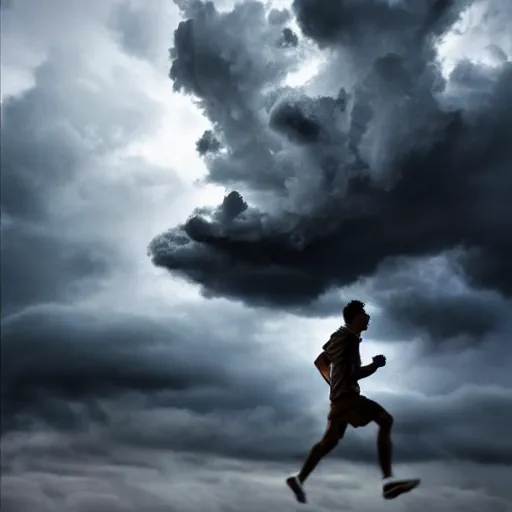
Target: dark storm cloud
71,354
404,163
294,119
228,61
348,22
446,316
428,296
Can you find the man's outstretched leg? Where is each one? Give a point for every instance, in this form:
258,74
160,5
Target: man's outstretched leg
391,488
328,442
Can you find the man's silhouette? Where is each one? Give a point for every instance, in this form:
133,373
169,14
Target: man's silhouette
340,365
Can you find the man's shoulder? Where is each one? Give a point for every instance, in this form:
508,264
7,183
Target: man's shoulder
342,333
338,336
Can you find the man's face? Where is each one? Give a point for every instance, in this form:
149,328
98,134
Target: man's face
363,320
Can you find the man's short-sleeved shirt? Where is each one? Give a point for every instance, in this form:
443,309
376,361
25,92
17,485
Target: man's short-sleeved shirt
342,350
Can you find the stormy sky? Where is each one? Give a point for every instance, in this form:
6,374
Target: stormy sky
190,193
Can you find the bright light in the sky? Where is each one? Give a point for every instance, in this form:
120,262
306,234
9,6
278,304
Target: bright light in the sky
173,145
307,71
471,39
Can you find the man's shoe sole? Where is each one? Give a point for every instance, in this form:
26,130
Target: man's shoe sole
395,489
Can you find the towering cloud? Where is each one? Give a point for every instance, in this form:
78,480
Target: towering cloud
399,161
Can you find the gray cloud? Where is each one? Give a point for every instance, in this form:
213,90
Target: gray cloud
142,28
39,266
469,414
429,297
289,38
207,143
125,483
70,354
49,138
279,16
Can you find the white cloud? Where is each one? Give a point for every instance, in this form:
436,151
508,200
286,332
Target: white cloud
482,35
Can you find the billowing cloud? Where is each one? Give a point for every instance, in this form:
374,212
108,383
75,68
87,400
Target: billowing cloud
349,23
406,162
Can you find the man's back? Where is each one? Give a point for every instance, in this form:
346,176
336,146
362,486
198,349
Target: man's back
342,350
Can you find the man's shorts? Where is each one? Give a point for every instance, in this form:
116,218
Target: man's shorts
355,410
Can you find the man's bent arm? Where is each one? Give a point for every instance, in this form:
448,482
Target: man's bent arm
323,365
366,371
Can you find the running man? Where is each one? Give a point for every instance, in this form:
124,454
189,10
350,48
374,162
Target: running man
340,366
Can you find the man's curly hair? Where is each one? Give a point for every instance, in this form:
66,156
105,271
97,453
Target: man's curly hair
352,309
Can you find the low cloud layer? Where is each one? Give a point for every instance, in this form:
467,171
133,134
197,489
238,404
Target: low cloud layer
71,369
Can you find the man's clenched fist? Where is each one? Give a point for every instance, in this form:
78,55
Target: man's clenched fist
380,361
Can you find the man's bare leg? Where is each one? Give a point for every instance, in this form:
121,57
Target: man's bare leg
328,442
391,488
385,446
